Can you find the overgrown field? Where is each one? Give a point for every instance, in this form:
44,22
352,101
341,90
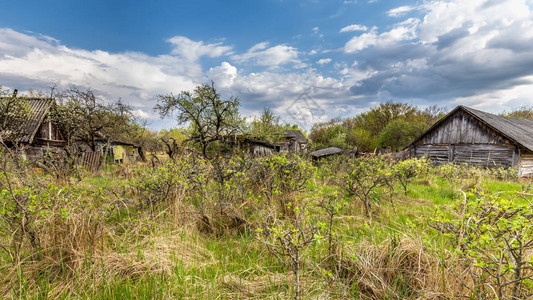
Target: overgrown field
275,227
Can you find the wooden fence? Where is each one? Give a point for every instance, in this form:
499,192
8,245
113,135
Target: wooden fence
91,161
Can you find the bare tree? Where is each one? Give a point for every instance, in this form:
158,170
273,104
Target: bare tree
211,118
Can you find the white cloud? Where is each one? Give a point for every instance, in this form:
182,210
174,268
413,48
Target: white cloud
400,32
324,61
316,29
274,56
477,52
223,75
399,11
354,27
192,50
283,93
37,62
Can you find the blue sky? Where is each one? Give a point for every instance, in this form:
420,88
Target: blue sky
307,60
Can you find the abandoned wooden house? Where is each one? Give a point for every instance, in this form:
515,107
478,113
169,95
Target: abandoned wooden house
326,152
258,148
33,132
294,142
118,151
467,135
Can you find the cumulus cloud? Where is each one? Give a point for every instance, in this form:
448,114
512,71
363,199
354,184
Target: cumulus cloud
31,61
465,50
402,31
324,61
263,55
287,94
39,62
223,75
192,50
354,27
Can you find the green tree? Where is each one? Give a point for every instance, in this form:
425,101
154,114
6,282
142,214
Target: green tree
211,119
267,127
523,112
83,116
399,133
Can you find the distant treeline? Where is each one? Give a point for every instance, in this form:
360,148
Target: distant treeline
389,125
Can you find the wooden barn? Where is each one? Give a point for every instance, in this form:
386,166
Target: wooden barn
467,135
35,133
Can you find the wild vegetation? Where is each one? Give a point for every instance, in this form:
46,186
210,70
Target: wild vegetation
275,226
216,222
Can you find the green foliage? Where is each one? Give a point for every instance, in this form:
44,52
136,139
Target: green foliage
288,239
280,177
210,118
38,218
389,124
492,235
364,177
84,116
364,139
523,112
329,134
406,170
267,127
399,133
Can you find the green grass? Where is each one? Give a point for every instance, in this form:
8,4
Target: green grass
165,261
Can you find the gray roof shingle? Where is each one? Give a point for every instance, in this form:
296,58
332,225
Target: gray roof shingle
326,152
25,130
518,131
297,135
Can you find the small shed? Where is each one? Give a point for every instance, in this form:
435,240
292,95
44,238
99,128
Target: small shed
124,152
295,142
258,148
467,135
36,132
322,153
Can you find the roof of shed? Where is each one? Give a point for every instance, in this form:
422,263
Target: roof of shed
25,131
326,152
256,142
297,135
519,131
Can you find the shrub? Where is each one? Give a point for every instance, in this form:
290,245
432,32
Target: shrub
492,236
365,175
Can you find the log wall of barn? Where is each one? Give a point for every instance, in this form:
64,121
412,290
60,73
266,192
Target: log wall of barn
487,155
259,150
526,165
461,129
463,139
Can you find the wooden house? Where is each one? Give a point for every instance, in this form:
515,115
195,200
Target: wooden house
294,142
467,135
35,133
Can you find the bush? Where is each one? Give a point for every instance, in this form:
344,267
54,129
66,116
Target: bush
492,236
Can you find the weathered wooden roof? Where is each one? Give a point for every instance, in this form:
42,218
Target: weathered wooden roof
326,152
25,131
297,135
518,131
256,142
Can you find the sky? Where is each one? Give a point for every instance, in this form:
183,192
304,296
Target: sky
307,60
